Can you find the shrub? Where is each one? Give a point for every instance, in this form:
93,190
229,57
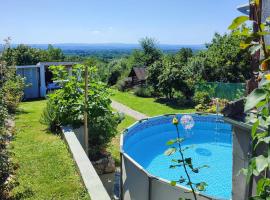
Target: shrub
121,85
13,90
212,106
49,117
181,99
201,98
143,91
68,105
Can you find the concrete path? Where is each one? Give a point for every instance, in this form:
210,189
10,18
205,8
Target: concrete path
128,111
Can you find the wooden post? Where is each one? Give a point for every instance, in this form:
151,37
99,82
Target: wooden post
86,142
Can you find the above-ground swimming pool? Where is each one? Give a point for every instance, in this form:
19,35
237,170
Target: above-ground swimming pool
146,170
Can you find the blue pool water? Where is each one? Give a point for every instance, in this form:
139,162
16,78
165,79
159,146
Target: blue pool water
212,145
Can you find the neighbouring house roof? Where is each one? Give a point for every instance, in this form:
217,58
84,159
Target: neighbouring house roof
244,8
140,73
57,63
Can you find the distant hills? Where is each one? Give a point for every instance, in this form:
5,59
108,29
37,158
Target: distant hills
108,51
111,46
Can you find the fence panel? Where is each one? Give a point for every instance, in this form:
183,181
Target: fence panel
230,91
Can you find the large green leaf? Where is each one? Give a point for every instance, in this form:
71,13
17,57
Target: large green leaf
261,163
254,128
254,98
238,21
265,140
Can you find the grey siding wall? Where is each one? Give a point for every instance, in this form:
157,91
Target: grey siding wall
265,14
31,75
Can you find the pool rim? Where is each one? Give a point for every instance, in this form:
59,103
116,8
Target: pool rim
122,153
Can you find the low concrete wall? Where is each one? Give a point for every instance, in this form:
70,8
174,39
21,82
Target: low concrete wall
88,174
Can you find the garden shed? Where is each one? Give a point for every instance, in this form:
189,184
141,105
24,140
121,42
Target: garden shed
137,76
38,77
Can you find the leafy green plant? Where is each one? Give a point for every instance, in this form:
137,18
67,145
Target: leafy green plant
176,146
49,117
68,105
259,164
143,91
13,90
201,98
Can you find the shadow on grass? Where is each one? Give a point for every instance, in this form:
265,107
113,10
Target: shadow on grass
173,103
34,99
21,111
27,193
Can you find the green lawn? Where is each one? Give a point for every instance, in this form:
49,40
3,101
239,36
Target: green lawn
46,169
114,148
148,106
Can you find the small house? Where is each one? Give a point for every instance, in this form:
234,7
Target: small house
137,76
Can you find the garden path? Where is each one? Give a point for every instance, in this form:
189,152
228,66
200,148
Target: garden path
128,111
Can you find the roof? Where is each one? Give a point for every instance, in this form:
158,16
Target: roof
140,73
245,9
57,63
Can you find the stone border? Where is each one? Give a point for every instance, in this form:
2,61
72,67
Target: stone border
87,172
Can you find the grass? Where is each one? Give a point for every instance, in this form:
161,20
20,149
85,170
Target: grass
148,106
46,169
114,148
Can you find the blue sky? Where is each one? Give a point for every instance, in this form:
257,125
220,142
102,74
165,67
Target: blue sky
115,21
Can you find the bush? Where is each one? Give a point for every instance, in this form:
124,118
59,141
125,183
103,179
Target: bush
212,106
50,117
13,90
121,85
201,98
181,100
143,91
66,107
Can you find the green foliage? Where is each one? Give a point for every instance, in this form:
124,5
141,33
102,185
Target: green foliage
11,91
68,105
174,78
49,117
214,106
117,69
25,55
259,99
5,167
169,75
201,98
143,91
151,53
223,61
176,146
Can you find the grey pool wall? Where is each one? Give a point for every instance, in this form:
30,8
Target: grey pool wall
137,183
242,153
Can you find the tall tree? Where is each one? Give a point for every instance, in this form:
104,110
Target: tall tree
150,50
223,61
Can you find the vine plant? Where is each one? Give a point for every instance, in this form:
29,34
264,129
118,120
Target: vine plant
176,145
258,100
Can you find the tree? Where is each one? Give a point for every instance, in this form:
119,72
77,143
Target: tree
183,55
223,61
54,54
150,50
116,69
26,55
